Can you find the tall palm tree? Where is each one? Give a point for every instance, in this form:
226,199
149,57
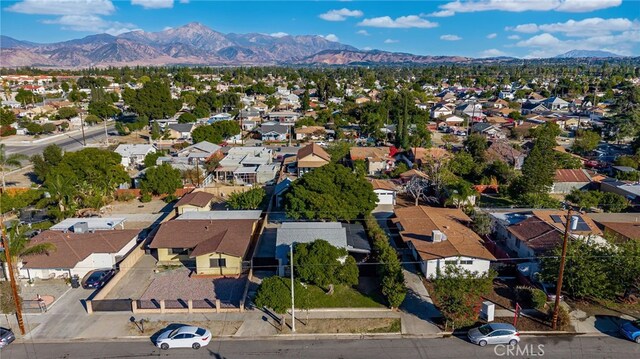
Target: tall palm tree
19,247
9,161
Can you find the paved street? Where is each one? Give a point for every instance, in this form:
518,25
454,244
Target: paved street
71,142
551,347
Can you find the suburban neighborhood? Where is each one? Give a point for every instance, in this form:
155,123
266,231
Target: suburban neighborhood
457,205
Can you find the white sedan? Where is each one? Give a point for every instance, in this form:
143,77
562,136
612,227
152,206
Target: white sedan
184,337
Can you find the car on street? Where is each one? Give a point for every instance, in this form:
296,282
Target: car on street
184,337
97,278
6,337
631,330
494,333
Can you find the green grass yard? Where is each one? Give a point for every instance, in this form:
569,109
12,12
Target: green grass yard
342,297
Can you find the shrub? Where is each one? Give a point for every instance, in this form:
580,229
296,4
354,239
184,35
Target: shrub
7,131
275,294
146,197
170,198
124,196
530,297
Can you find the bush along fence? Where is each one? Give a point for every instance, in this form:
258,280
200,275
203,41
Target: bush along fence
390,269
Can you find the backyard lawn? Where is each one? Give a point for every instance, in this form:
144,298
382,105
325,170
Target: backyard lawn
494,201
342,297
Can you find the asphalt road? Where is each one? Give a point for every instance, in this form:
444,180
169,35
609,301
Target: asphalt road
68,143
530,347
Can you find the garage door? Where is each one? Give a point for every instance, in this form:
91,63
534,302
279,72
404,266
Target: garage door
385,198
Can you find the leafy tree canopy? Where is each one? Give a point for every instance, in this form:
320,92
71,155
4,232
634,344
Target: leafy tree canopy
162,179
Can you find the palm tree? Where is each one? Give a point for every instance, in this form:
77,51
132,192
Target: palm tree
62,192
9,161
19,247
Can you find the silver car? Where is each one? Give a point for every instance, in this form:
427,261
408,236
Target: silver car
6,337
494,333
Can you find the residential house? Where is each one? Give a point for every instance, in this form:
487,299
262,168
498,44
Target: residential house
208,247
351,237
310,157
422,156
194,201
288,118
438,237
508,95
622,231
567,180
377,159
274,132
488,130
555,104
220,215
386,191
440,110
180,131
247,165
280,190
407,176
132,155
472,110
223,116
530,234
451,120
89,224
629,190
503,151
533,107
77,252
311,132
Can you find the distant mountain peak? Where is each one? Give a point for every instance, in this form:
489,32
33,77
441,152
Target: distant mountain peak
573,54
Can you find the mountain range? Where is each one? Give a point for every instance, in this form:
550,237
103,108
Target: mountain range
197,44
579,54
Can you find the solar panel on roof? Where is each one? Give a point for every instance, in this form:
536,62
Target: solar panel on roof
556,218
582,225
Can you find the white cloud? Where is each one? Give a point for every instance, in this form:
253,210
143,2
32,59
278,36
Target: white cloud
513,37
331,37
63,7
524,28
546,45
279,34
362,32
450,37
153,4
460,6
91,23
402,22
340,15
590,27
492,36
167,28
390,41
492,53
441,13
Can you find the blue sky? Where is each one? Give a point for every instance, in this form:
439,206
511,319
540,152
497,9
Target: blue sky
477,28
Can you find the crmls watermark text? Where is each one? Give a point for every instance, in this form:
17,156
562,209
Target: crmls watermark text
529,350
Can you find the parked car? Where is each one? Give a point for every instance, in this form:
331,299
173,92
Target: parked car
6,337
97,278
631,330
494,333
184,337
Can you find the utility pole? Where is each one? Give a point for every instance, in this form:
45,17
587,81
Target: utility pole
293,296
556,308
84,140
106,134
12,279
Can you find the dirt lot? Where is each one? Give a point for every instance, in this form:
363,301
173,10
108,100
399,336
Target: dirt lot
217,328
329,326
607,308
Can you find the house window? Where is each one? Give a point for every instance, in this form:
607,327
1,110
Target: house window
179,251
467,262
454,262
217,262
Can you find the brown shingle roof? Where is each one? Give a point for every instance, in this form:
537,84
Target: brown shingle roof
372,153
383,184
198,199
433,153
313,149
536,234
545,215
72,248
503,151
418,222
572,175
230,236
626,230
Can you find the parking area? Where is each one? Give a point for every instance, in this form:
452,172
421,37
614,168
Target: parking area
176,285
136,281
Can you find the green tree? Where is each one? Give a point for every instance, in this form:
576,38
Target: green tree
586,141
7,117
156,131
103,109
187,118
34,128
49,127
92,120
319,263
151,158
27,97
332,192
153,101
275,294
65,87
481,223
67,112
338,150
51,156
247,200
565,160
476,145
206,133
458,293
613,202
162,179
8,161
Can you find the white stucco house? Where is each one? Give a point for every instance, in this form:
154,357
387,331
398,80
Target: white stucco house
133,154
